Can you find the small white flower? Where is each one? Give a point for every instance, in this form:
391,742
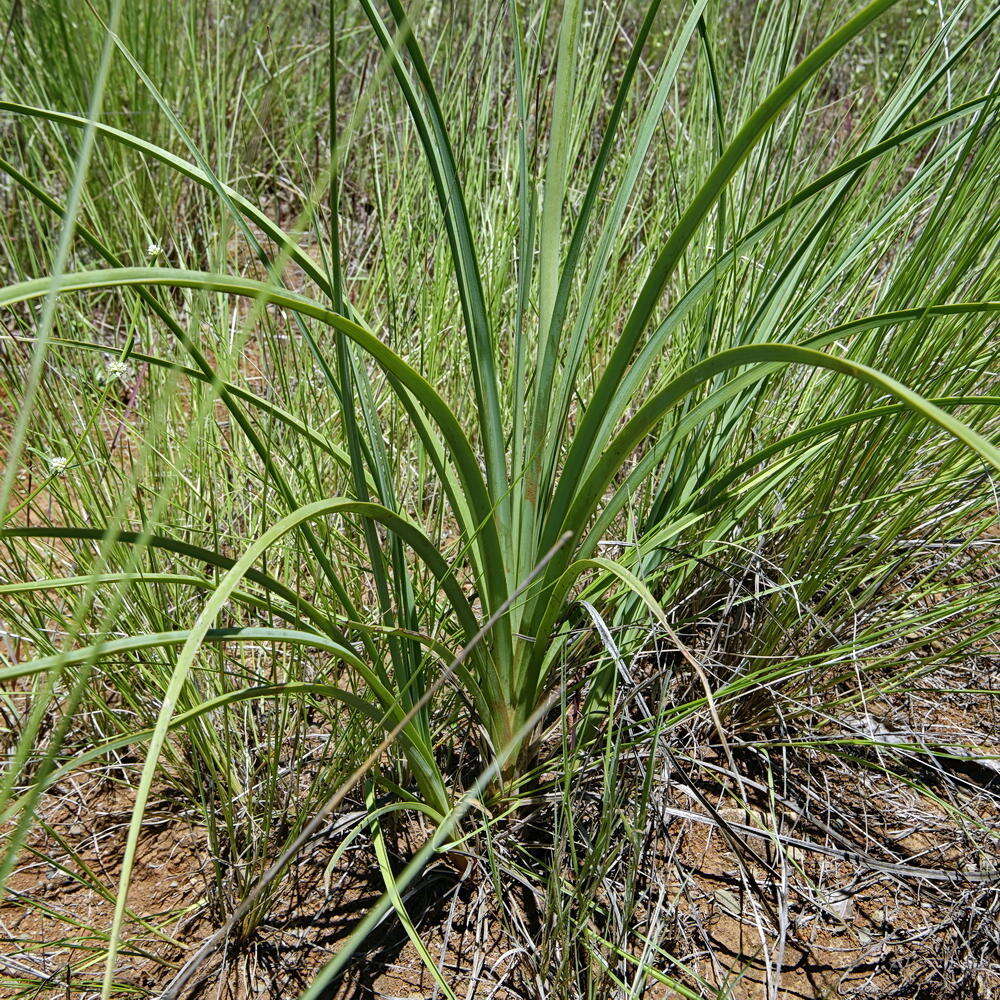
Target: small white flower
154,250
58,465
118,370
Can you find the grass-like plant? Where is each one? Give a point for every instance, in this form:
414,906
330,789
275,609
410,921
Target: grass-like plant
672,399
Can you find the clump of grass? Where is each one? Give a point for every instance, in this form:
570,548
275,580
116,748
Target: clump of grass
675,320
